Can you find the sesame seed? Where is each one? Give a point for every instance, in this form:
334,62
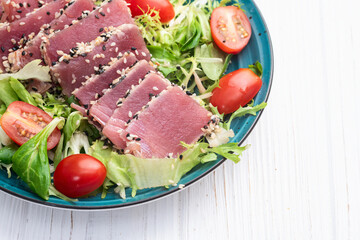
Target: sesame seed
144,54
103,48
102,14
21,4
188,93
53,63
101,29
181,157
96,16
130,114
66,61
133,48
22,23
155,88
18,11
23,53
2,49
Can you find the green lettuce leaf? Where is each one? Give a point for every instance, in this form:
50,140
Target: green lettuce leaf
21,92
33,69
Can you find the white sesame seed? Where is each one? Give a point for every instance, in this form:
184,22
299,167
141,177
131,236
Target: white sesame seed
125,60
155,88
22,23
130,114
144,54
113,44
181,186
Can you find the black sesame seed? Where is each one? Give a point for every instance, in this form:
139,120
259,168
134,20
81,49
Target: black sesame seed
83,54
188,93
101,29
128,121
138,139
224,41
133,48
231,152
18,11
34,88
86,106
31,54
66,61
96,16
87,112
102,14
21,5
103,48
178,67
53,63
2,49
15,48
205,127
23,53
128,135
40,4
181,157
79,18
48,13
28,5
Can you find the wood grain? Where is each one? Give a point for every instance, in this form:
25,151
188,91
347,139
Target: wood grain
299,180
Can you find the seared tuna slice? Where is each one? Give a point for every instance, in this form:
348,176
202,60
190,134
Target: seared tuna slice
17,9
102,110
72,11
151,86
88,60
113,13
170,118
15,35
93,87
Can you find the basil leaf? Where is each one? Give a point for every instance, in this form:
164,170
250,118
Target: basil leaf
31,163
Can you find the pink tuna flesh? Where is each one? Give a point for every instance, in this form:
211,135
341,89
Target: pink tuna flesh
102,110
72,72
171,118
114,13
152,85
14,35
93,87
72,11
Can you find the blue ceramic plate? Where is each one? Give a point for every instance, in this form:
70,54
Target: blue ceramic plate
258,49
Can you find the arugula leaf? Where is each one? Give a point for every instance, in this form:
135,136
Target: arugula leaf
21,91
31,163
230,151
249,109
257,68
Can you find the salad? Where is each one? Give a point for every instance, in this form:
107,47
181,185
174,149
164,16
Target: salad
54,140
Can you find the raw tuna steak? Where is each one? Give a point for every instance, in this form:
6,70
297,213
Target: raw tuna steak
31,51
102,110
88,60
113,13
170,118
17,9
14,35
152,85
93,87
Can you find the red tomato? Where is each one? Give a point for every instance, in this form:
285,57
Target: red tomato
78,175
230,29
165,8
235,89
22,121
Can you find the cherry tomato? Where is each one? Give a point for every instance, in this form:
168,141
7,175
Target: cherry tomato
235,89
165,8
78,175
230,29
22,121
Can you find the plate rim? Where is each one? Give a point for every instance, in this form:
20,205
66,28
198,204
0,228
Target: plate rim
169,192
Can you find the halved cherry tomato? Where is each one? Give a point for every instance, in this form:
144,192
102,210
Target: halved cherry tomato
165,8
235,89
22,121
78,175
230,29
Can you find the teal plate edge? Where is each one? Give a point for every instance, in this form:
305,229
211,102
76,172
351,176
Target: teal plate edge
259,48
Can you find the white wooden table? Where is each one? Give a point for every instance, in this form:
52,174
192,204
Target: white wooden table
299,180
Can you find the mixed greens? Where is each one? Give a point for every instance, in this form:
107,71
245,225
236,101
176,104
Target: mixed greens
184,52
